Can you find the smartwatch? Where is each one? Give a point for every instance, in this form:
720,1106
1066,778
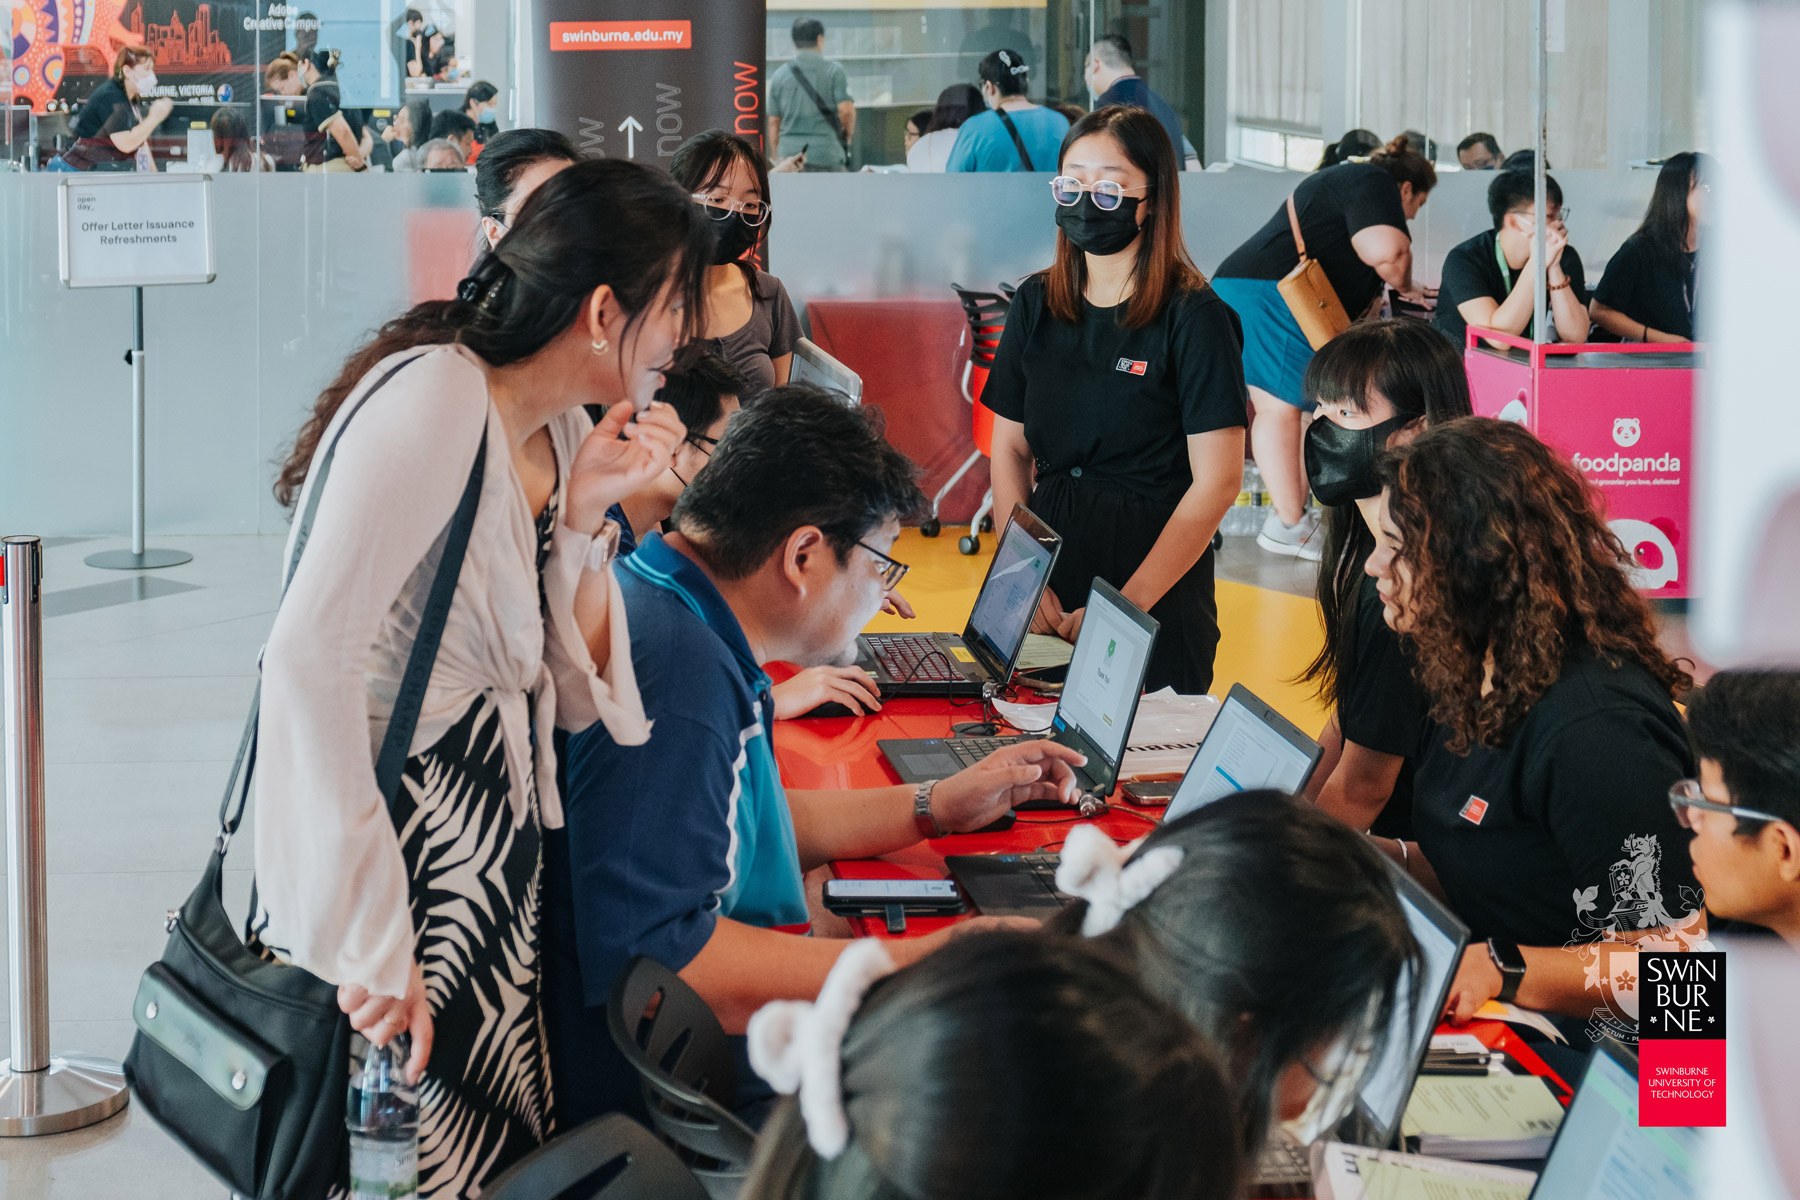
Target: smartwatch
923,819
1511,965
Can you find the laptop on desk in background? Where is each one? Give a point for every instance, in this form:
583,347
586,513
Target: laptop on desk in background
1093,715
1249,745
949,664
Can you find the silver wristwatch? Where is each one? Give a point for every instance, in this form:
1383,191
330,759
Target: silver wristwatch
605,546
923,819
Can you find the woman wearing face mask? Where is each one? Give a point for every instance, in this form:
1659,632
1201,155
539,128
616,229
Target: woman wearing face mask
482,105
1269,925
749,320
1541,806
1118,393
1013,134
1376,385
585,300
113,130
1353,219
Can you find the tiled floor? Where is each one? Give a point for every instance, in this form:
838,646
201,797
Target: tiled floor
144,701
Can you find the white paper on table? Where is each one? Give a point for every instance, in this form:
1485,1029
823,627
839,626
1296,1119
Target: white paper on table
1338,1170
1164,734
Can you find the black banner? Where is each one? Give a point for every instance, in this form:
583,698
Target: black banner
636,78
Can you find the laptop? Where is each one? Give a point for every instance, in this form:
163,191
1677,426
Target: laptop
1249,745
949,664
1093,715
813,366
1601,1152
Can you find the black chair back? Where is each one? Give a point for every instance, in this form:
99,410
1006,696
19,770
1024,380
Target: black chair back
609,1158
685,1065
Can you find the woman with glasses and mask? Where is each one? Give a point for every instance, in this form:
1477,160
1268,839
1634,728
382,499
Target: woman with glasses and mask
749,320
1540,808
1118,393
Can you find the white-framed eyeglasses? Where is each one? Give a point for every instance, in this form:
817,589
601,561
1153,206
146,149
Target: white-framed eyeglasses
1108,195
754,212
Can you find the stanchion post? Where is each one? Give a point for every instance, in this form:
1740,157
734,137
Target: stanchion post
40,1092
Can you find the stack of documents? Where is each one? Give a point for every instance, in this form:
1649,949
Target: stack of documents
1343,1172
1483,1117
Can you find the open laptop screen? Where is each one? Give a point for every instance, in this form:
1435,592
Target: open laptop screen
1417,1006
1249,745
1101,691
1601,1153
1010,593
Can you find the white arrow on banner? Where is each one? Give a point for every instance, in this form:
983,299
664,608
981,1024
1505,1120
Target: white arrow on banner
630,128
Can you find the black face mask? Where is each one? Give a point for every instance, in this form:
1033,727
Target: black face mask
735,235
1095,230
1340,463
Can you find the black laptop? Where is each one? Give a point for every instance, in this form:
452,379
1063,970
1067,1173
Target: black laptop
1249,745
948,664
1093,715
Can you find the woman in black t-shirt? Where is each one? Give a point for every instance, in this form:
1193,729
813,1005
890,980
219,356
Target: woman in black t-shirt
1118,394
112,132
1377,384
1541,808
337,140
1353,219
1649,289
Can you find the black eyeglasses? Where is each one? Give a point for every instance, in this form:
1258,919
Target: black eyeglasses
1686,796
703,443
892,569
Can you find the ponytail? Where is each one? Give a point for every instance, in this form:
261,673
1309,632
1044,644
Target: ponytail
1406,165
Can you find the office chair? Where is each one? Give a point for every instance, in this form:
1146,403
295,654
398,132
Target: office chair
609,1158
986,313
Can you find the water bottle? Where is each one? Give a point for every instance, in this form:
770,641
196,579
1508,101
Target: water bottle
382,1115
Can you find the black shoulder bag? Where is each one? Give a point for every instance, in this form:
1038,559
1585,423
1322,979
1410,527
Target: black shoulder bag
244,1060
825,110
1018,142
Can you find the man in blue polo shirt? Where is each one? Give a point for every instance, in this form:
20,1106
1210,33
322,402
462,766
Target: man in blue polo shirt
1111,74
687,849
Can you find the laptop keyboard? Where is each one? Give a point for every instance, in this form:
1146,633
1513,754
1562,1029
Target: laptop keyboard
1283,1160
971,750
912,658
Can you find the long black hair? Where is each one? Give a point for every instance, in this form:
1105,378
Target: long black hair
1666,220
1014,1064
1280,930
703,161
1416,370
506,157
956,104
601,222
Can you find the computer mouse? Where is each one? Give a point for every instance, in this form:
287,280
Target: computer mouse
831,708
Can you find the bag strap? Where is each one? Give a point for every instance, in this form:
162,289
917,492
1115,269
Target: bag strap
831,117
391,762
1294,224
1018,142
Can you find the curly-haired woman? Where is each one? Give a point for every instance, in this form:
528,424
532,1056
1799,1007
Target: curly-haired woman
1541,806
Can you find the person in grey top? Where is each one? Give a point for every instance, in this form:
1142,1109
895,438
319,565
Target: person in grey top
749,320
810,105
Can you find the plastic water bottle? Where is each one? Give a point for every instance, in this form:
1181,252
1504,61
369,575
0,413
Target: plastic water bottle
382,1115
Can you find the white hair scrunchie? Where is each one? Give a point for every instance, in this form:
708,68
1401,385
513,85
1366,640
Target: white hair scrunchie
1095,869
798,1046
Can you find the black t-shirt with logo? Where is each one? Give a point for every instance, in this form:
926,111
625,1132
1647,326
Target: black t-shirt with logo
1382,708
1118,404
1652,286
1472,269
323,101
1333,205
1566,831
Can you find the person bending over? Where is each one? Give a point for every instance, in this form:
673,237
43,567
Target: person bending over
1648,291
1273,928
1488,279
1377,384
1007,1065
1744,810
687,848
1541,808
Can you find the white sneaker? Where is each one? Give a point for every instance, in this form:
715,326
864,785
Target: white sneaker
1300,540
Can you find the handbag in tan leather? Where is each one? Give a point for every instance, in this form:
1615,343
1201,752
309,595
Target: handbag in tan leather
1309,294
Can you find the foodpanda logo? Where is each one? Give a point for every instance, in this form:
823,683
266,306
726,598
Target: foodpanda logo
1627,431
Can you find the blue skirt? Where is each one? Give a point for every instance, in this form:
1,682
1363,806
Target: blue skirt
1275,351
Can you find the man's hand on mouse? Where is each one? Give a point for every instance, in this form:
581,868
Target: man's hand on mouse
977,795
848,686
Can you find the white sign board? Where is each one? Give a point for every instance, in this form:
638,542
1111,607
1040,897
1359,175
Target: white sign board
136,230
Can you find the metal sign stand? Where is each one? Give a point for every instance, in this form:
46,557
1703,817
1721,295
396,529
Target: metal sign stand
137,558
40,1092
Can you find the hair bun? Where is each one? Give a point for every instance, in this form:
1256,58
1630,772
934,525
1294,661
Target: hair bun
1398,146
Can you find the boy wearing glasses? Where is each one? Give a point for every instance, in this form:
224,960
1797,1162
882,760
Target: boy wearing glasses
1744,810
687,849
